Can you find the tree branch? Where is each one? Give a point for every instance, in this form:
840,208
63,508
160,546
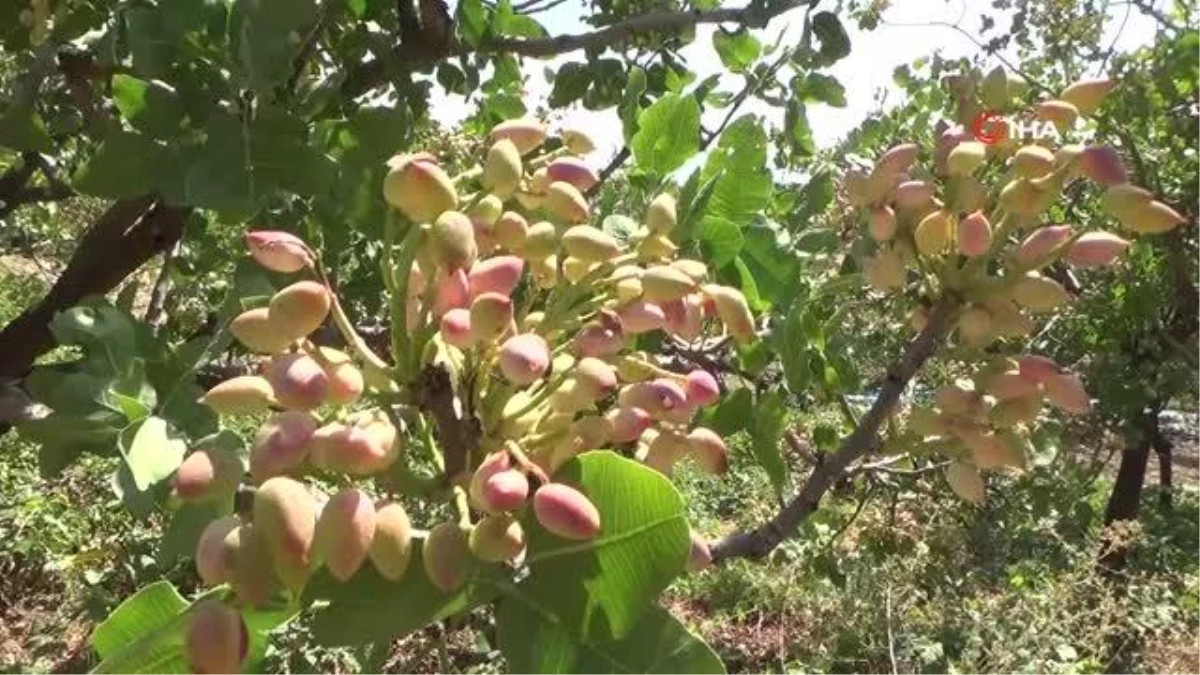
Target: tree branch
128,234
457,431
162,287
761,541
610,169
755,15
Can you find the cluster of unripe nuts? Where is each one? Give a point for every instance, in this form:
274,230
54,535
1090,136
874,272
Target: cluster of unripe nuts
534,313
942,229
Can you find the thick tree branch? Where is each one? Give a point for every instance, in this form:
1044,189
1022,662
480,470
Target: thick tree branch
162,288
128,234
761,541
755,15
457,431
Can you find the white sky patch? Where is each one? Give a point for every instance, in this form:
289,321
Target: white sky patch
866,74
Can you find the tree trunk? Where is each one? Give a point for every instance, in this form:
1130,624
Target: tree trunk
1126,495
128,234
1165,449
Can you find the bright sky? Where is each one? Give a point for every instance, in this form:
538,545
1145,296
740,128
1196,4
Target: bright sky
866,73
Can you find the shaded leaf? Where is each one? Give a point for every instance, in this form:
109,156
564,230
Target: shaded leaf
768,256
658,644
261,32
369,608
738,50
835,44
127,164
825,89
152,107
22,129
765,437
720,241
734,413
793,349
570,83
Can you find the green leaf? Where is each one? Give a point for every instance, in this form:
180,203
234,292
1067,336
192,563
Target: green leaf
152,107
509,23
734,413
768,256
815,197
835,44
261,33
747,284
598,589
720,241
693,204
620,227
187,524
658,644
369,608
738,50
630,107
152,47
793,349
825,89
144,633
214,173
795,120
452,78
744,185
21,128
570,84
472,21
281,155
153,456
668,134
818,240
127,164
765,437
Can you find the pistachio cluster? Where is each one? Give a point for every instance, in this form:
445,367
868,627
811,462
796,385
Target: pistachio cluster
496,277
971,228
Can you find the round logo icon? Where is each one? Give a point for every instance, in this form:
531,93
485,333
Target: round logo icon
989,127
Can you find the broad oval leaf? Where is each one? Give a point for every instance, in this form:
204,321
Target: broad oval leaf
598,589
668,134
765,438
369,608
144,634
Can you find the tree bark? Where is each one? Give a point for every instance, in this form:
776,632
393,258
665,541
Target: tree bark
1164,448
757,543
128,234
1125,500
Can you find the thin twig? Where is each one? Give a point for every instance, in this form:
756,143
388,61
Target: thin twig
610,169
